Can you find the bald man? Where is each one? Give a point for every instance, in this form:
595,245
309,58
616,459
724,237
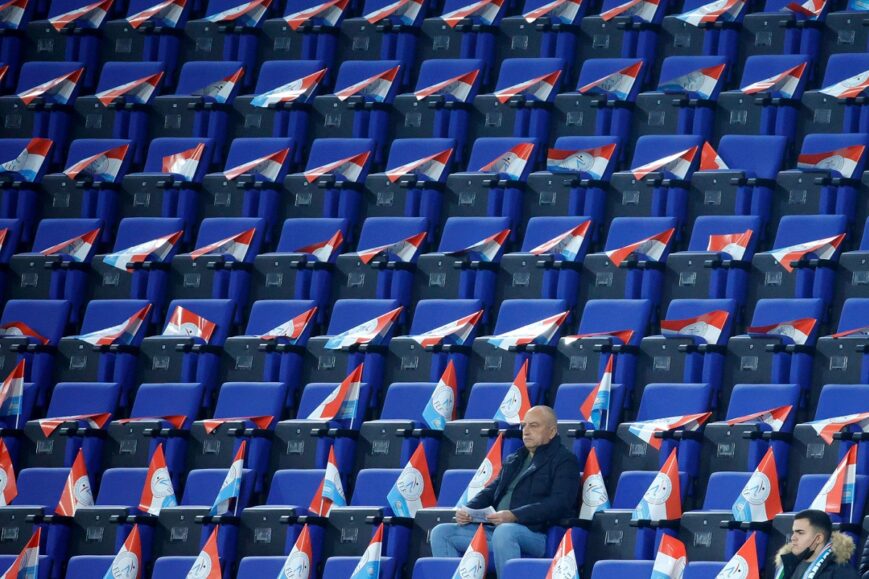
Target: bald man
538,485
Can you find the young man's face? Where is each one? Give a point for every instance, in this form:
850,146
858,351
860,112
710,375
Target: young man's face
804,536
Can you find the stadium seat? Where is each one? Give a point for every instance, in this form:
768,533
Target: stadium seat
839,357
704,531
307,30
834,108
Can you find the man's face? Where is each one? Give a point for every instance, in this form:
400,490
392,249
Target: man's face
803,536
536,430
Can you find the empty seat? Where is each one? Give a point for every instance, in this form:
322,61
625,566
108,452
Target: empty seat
835,107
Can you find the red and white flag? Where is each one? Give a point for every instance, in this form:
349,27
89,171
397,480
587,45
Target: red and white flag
538,87
137,91
476,558
811,9
349,168
646,429
8,485
300,89
594,494
235,246
724,10
375,87
89,16
329,12
159,248
774,417
487,249
207,564
431,167
12,393
643,9
128,561
839,489
123,333
618,336
487,472
247,13
539,332
850,88
371,331
486,10
16,329
166,13
268,166
11,13
301,559
331,491
510,163
258,422
455,332
596,407
184,322
705,327
827,427
618,84
77,490
759,500
561,11
30,160
158,491
700,83
78,248
663,499
744,563
324,250
341,403
842,161
516,402
593,162
103,166
405,10
566,245
291,329
404,250
457,87
184,163
564,564
710,160
652,248
861,332
677,164
671,560
221,89
413,490
26,565
795,331
784,83
94,421
733,244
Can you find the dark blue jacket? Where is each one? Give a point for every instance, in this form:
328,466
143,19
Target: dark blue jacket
545,493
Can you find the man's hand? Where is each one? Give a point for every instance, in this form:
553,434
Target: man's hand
501,517
462,517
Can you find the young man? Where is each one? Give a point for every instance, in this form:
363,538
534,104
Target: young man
538,485
815,551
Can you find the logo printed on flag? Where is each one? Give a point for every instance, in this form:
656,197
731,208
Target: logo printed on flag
184,322
510,163
441,406
539,88
375,87
539,332
221,90
561,11
11,13
705,328
301,89
370,332
158,248
29,162
838,491
103,166
184,163
137,91
644,10
645,430
57,90
671,560
594,495
677,164
8,485
596,407
12,393
486,10
369,563
231,486
662,501
733,244
299,561
567,245
794,331
405,250
487,472
165,14
431,167
851,87
158,491
592,162
701,82
331,491
77,249
744,563
516,402
476,558
267,166
456,332
26,565
564,564
784,83
652,248
128,562
486,249
342,401
617,84
89,16
324,250
350,168
774,417
235,246
207,564
291,329
77,490
123,333
458,87
759,500
413,490
329,12
842,162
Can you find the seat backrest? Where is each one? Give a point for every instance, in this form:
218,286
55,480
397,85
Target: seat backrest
51,232
666,400
173,567
372,486
299,233
762,67
841,400
703,570
651,148
48,318
747,399
522,568
453,485
771,311
40,486
326,151
74,398
484,400
215,229
433,72
115,74
601,316
795,229
294,487
276,73
451,5
135,230
623,569
247,150
121,487
515,71
35,73
257,567
588,143
707,225
315,392
166,146
683,309
723,490
832,143
89,566
462,232
595,69
347,314
203,485
855,314
39,151
102,314
435,567
844,66
406,401
570,397
196,75
542,229
164,399
488,149
811,484
379,231
238,399
266,315
404,151
676,67
624,231
341,567
81,149
514,314
136,6
431,314
633,484
760,156
217,311
352,72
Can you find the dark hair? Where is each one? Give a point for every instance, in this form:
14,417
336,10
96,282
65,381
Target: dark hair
819,520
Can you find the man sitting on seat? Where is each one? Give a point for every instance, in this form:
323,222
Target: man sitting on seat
538,485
